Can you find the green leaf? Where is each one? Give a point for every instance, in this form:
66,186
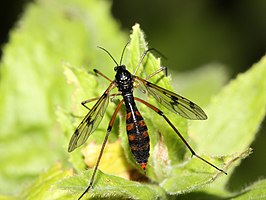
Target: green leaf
255,191
234,117
195,174
109,187
41,189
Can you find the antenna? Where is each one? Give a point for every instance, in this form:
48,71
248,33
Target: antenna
108,54
123,53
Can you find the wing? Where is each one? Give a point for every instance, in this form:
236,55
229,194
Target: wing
174,102
90,122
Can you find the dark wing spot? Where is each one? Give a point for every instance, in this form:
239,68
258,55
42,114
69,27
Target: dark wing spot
76,132
192,105
174,98
88,119
165,93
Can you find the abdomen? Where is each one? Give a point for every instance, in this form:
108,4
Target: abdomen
137,133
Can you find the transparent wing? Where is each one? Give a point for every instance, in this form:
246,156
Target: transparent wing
174,102
90,122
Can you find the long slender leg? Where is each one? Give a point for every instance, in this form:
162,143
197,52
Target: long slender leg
178,133
100,73
157,72
151,75
143,56
88,101
83,103
141,59
96,98
101,152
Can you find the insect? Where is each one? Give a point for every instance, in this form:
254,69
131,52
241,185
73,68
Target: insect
137,130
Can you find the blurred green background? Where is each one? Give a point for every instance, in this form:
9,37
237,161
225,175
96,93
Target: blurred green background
192,34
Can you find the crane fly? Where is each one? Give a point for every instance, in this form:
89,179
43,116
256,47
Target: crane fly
136,128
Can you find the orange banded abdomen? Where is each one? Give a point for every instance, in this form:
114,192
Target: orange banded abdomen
138,136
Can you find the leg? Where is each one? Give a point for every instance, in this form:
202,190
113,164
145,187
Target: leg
151,75
178,133
143,56
101,152
157,72
100,73
96,98
87,101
